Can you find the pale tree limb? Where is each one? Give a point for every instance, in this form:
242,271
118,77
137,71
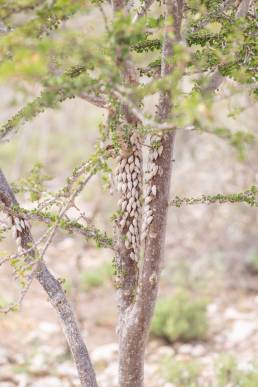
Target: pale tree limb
56,296
134,333
94,99
145,121
143,10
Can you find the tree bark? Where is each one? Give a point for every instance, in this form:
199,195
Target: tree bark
56,295
135,332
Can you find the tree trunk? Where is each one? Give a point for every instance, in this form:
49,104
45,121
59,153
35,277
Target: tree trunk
135,331
134,334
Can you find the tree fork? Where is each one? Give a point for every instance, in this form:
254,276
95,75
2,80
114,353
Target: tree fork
134,334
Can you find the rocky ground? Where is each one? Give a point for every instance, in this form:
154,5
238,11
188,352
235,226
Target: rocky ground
33,351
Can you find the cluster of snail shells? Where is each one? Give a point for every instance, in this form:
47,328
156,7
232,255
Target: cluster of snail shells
156,150
18,226
129,185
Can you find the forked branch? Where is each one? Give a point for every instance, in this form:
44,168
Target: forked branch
55,293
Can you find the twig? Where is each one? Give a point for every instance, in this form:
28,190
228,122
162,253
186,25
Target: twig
143,119
249,197
217,78
94,99
57,298
143,10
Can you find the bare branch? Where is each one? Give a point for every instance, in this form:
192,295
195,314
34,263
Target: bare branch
95,100
57,297
148,123
143,10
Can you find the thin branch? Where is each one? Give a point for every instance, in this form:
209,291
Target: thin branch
147,122
8,10
94,100
25,252
206,20
69,225
143,10
57,298
217,78
104,16
249,197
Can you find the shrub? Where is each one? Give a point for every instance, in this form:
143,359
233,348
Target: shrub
3,302
252,262
96,277
181,373
228,372
180,318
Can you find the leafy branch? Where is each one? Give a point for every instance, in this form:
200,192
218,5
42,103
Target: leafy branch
249,197
56,91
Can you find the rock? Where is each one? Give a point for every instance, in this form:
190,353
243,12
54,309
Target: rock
185,349
245,366
109,377
212,309
42,333
66,369
233,314
3,357
198,350
241,330
165,351
49,382
66,244
105,352
48,328
39,363
22,380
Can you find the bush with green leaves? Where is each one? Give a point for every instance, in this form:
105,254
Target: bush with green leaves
96,277
180,318
181,373
252,262
230,373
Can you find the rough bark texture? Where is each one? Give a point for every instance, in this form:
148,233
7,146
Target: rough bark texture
134,333
127,267
56,296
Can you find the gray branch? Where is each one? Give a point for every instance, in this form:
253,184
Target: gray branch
94,99
56,296
143,10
